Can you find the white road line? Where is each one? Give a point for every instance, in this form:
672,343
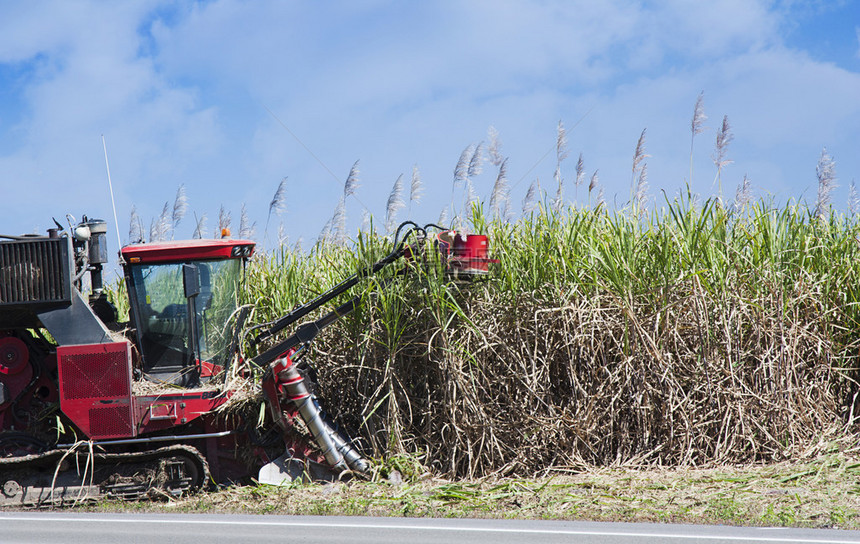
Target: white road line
348,525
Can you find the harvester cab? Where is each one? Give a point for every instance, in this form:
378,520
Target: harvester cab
183,304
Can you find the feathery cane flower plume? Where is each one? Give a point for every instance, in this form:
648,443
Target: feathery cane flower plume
561,143
467,167
500,189
416,188
593,183
135,228
338,222
246,227
461,170
180,206
697,124
580,176
476,162
283,238
200,226
560,154
580,171
642,190
351,184
163,224
279,201
724,138
825,170
153,230
638,156
743,194
530,200
494,150
508,212
443,217
471,195
366,221
335,229
853,199
395,202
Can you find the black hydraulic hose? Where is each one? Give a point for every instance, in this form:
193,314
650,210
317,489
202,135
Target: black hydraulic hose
308,331
401,226
305,333
151,439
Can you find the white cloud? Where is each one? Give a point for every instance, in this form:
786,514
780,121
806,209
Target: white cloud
712,29
90,81
386,56
180,92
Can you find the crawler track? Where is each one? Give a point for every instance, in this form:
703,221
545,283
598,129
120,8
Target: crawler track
62,477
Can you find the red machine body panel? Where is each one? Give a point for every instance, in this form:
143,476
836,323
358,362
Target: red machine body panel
191,250
95,388
159,412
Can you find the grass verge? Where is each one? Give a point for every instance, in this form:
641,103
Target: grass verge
823,492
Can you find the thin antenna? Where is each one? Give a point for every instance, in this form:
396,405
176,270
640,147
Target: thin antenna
112,203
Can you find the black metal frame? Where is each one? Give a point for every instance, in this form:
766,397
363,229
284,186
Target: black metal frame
306,332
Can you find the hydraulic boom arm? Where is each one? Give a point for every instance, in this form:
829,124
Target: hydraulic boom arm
306,332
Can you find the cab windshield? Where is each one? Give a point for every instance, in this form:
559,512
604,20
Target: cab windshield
162,320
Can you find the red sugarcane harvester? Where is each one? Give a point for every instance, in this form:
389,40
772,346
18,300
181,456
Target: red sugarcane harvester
91,408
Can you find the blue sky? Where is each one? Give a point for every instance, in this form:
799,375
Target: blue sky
182,92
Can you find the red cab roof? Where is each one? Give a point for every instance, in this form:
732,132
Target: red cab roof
188,250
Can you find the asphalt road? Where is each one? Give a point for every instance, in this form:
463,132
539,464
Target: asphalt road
64,528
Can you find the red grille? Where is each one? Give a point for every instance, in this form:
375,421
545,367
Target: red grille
110,422
95,388
96,375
